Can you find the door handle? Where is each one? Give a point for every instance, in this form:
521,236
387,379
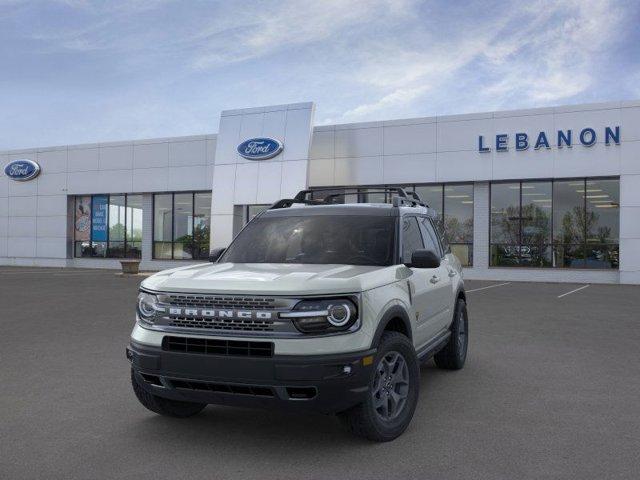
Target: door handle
434,279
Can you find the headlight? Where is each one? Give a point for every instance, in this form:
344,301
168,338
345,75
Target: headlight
323,315
147,306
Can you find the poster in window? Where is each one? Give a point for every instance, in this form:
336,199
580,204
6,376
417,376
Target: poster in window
99,218
82,219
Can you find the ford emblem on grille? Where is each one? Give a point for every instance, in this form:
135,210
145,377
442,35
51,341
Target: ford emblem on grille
260,148
22,170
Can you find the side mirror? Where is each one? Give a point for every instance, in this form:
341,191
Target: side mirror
215,254
424,259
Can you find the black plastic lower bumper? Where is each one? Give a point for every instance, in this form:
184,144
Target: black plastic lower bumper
323,383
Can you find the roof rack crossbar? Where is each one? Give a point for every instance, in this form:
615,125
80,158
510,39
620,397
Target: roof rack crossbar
337,191
402,197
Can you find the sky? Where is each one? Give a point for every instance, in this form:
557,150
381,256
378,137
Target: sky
78,71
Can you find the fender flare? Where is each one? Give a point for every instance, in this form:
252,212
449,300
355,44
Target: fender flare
395,311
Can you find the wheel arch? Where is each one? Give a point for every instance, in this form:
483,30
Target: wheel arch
461,295
395,319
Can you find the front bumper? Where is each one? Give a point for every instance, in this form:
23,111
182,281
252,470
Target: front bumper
322,383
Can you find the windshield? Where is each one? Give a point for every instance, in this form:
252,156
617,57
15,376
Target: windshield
324,239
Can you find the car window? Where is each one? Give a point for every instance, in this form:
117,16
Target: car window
411,238
430,236
317,239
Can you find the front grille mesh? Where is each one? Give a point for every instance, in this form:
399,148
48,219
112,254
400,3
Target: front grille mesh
218,301
222,324
218,347
254,390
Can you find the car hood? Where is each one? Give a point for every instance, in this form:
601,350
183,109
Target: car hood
274,278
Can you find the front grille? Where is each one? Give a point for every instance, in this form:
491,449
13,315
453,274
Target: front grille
219,314
217,347
219,301
254,390
222,324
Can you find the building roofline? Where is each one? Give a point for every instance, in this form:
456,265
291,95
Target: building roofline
567,108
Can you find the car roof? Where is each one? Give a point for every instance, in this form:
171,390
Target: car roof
365,209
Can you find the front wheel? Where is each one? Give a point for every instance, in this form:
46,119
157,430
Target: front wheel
454,354
164,406
393,392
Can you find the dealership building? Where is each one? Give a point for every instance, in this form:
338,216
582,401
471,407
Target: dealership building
549,194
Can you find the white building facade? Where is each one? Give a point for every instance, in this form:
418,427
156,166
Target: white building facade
549,194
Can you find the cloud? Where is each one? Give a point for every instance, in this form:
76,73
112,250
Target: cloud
238,36
90,71
542,52
554,57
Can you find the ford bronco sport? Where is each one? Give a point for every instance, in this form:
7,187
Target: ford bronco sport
315,305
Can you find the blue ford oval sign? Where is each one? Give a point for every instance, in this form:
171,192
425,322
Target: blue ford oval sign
22,170
260,148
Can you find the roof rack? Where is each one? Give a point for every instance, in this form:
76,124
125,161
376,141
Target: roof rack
402,197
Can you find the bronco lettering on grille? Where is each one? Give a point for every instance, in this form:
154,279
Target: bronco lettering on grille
217,313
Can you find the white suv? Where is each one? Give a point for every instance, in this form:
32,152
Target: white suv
315,305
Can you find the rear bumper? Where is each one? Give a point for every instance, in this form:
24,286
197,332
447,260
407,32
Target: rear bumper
322,383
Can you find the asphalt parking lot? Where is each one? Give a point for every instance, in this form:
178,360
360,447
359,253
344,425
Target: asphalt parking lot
551,390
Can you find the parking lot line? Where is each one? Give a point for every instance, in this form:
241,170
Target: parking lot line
489,286
573,291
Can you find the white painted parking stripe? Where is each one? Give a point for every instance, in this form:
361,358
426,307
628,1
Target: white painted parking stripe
489,286
573,291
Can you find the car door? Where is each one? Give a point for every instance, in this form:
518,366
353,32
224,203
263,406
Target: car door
446,273
423,283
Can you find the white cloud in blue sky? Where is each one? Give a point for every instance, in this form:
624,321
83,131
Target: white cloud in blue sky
78,71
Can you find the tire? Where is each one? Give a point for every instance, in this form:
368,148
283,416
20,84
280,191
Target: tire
368,419
164,406
454,353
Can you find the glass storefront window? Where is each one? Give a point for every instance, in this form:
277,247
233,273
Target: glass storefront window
134,226
535,217
458,221
603,223
201,224
162,225
555,224
117,215
106,226
505,224
182,225
252,210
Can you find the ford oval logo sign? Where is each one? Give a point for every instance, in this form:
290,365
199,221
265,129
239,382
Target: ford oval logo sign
22,170
260,148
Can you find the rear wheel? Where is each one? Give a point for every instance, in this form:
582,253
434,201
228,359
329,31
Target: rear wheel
164,406
393,392
454,354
